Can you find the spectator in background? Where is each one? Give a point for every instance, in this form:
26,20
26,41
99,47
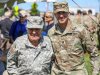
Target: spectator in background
98,32
2,65
84,13
98,16
91,22
5,25
49,22
18,28
72,15
90,12
79,18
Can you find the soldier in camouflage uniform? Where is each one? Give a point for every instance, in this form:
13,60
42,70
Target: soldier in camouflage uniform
31,54
79,17
98,30
95,34
90,22
69,43
98,16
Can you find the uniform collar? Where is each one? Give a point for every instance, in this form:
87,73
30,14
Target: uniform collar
40,45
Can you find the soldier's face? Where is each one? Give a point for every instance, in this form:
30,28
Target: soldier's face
62,17
34,34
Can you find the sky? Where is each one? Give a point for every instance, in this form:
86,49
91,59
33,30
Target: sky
82,3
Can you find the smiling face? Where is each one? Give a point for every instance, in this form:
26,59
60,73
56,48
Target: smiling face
34,34
62,17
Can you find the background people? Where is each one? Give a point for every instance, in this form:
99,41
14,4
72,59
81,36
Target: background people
18,28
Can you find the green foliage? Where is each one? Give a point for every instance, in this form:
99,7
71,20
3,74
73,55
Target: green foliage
88,64
34,10
1,11
16,8
16,11
34,6
98,74
10,3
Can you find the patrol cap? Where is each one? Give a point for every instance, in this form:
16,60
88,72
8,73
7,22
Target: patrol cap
35,22
22,13
61,6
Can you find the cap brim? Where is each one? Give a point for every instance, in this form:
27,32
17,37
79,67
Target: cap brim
35,26
58,10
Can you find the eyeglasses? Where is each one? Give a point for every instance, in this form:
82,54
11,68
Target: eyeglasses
62,12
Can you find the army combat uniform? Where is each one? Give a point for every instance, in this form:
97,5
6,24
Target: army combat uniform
25,59
69,48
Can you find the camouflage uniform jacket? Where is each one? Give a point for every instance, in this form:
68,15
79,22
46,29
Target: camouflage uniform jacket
90,21
78,19
25,59
69,48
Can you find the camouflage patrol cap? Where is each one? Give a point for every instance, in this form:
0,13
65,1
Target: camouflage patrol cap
34,22
61,6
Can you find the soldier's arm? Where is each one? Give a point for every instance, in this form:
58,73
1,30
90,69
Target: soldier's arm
88,43
12,60
50,48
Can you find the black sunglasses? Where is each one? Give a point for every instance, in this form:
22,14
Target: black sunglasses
62,12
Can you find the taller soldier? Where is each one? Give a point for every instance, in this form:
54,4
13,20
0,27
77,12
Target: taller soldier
70,43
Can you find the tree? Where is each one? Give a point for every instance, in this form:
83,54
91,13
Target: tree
34,10
9,3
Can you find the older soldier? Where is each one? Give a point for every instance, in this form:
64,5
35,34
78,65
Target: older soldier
31,54
69,43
